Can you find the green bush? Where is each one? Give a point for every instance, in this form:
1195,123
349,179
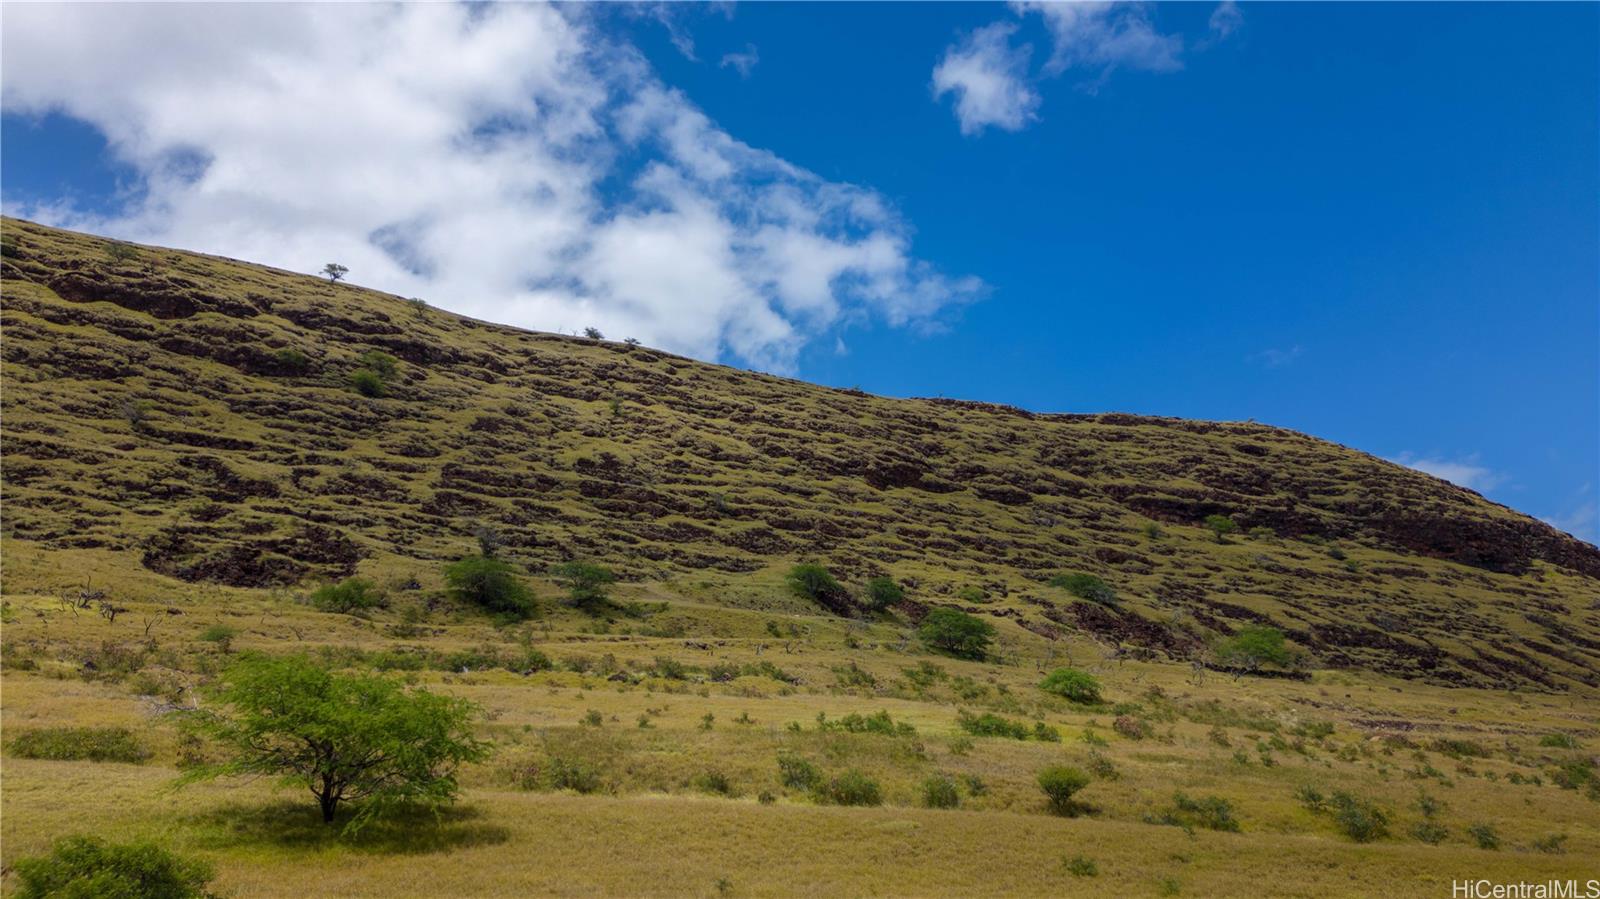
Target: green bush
956,633
352,594
1060,784
883,592
798,774
1485,836
1361,820
879,722
367,382
491,584
939,791
850,788
381,364
574,775
1081,866
291,360
1220,526
1209,812
1132,727
1559,741
1072,684
86,868
1086,586
80,744
815,583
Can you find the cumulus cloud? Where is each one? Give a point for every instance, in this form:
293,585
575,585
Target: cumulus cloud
1105,36
1466,472
988,77
744,63
508,161
991,78
1225,19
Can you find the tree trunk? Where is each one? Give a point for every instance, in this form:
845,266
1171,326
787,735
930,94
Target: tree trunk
329,803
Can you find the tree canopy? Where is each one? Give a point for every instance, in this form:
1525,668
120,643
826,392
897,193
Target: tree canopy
345,737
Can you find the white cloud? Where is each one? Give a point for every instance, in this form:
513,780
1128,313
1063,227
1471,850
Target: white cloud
1105,36
744,63
1582,519
1225,19
992,80
1466,472
989,79
507,161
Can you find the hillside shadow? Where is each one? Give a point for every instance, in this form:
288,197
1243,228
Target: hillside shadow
297,825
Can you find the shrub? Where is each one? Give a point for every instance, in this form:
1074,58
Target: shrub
972,593
813,582
291,360
1080,866
1132,727
586,585
879,722
1209,812
956,633
574,775
381,364
1060,784
851,788
939,791
883,592
88,867
344,737
1555,844
367,383
220,634
80,744
1430,832
1072,684
1485,836
1559,741
490,584
349,595
989,724
1360,819
1220,526
798,774
1086,586
714,781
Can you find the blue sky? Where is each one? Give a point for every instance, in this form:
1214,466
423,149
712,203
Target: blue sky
1375,223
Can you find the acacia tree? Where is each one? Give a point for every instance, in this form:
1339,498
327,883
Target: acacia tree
333,271
346,737
587,585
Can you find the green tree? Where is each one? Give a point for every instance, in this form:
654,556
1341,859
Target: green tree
1220,526
587,584
333,271
957,633
88,868
346,737
491,584
1253,646
1070,683
883,592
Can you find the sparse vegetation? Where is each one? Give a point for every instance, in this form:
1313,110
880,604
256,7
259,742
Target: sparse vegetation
75,744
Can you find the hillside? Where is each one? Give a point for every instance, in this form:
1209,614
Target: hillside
193,417
187,457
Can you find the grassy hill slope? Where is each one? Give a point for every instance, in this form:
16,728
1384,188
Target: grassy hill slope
194,416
